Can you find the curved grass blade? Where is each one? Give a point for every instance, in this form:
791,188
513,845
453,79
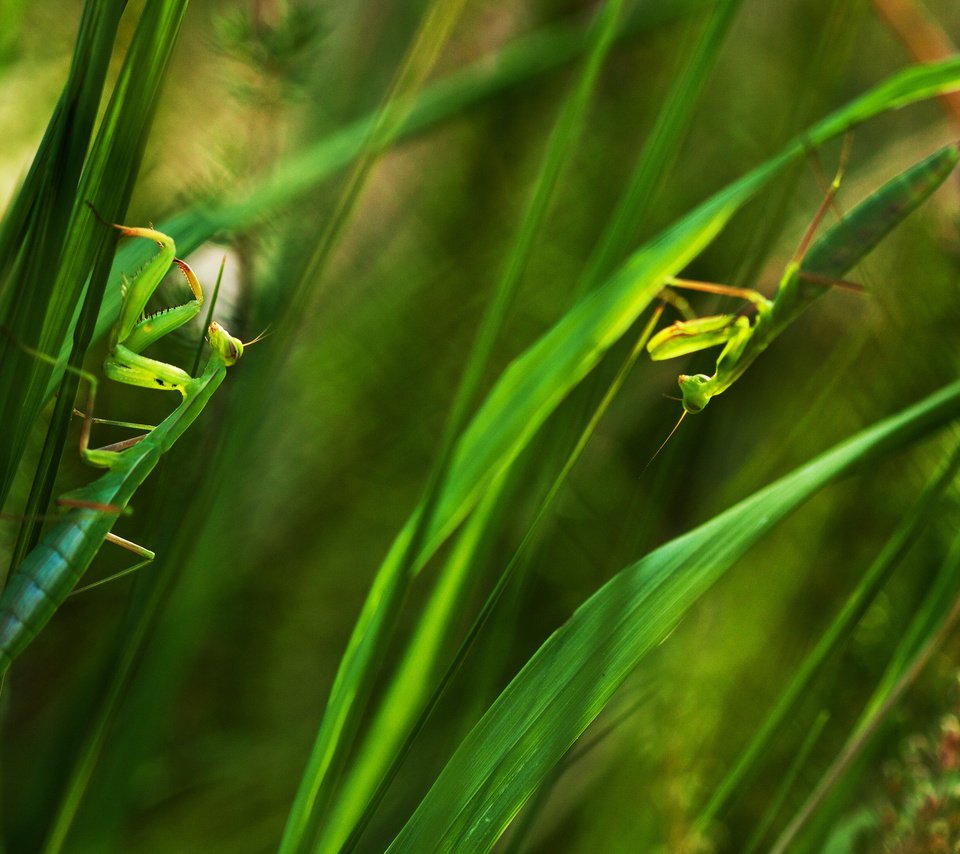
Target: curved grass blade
930,629
553,699
534,384
660,149
401,709
359,668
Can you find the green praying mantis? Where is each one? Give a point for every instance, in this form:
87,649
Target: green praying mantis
811,271
50,571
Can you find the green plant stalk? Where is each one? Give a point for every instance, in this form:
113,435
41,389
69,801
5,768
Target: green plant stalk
786,783
38,234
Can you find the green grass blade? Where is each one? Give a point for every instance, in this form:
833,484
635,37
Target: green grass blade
568,681
36,234
660,150
363,657
786,784
930,628
420,681
107,184
534,384
416,677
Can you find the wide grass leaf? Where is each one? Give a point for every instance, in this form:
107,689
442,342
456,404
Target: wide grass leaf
566,684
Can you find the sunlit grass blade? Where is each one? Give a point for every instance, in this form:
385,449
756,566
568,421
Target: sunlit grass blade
421,680
569,680
365,650
415,677
535,383
660,150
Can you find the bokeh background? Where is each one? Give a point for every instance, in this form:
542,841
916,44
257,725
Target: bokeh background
272,515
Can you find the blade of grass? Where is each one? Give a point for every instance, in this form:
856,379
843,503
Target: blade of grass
545,708
36,232
786,784
363,657
106,183
419,683
534,383
660,150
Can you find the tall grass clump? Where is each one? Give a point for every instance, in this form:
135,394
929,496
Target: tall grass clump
421,581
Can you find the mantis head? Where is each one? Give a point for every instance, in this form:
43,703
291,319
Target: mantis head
229,349
696,393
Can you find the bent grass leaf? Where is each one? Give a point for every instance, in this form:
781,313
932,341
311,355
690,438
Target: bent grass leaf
566,684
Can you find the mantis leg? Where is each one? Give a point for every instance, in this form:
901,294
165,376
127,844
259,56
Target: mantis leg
828,198
134,329
88,419
152,327
145,553
757,298
671,297
691,336
700,333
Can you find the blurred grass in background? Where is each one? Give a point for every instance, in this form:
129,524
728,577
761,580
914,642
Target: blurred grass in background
177,711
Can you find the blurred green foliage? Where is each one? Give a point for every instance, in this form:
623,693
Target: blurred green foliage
176,711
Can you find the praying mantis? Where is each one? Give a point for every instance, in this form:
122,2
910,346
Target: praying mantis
806,277
50,571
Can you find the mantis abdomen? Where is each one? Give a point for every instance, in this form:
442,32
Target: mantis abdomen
46,576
